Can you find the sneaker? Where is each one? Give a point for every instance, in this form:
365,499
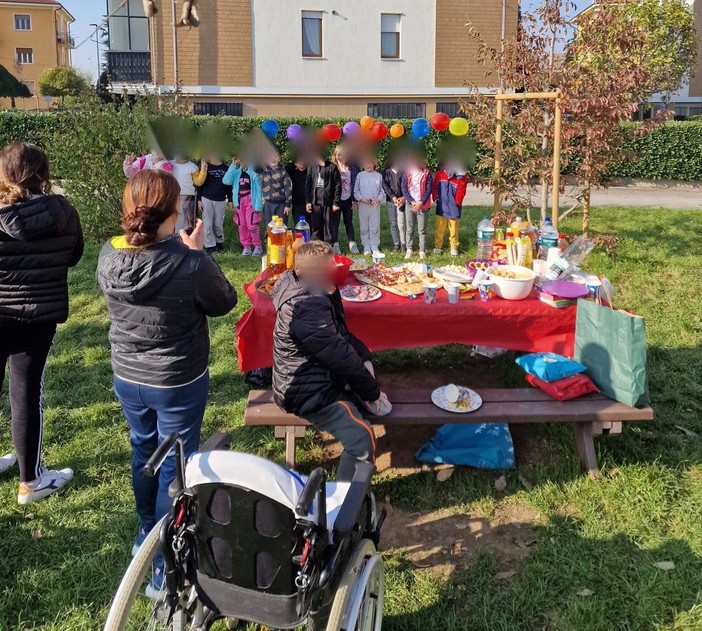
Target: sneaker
353,248
437,251
155,589
211,250
48,482
219,247
258,250
454,252
396,248
247,251
422,255
141,535
7,462
408,255
337,249
366,252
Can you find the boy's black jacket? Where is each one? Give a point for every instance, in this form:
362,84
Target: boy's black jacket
332,184
314,354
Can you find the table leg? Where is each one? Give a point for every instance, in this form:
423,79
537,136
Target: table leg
586,448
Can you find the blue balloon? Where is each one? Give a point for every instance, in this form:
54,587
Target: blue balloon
420,128
270,128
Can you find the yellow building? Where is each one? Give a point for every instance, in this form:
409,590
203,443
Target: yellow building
34,35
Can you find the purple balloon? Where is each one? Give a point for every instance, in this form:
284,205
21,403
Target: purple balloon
295,132
351,128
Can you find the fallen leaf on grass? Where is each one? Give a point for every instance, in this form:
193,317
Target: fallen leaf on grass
37,533
688,432
613,471
585,592
503,576
524,545
501,484
525,483
387,505
29,516
444,474
666,566
421,565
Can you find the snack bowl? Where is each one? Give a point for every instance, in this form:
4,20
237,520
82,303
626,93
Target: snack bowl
512,288
343,265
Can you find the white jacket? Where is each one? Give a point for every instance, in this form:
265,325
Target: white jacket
369,185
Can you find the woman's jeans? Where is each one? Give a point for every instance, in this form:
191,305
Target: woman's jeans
152,414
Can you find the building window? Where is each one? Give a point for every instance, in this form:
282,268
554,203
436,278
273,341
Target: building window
390,35
25,55
30,86
680,110
311,33
695,110
453,109
397,110
23,22
129,27
214,108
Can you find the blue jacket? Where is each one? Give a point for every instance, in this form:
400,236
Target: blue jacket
449,193
231,178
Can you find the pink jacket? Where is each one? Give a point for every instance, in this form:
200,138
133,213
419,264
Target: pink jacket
145,162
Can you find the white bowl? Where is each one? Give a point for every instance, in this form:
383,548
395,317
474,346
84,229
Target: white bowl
512,288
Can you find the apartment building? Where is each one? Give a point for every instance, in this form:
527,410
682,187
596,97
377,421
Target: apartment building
34,35
395,58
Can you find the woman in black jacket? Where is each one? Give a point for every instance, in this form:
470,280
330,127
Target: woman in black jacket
159,290
40,238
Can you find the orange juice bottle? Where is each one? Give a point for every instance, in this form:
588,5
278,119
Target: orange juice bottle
276,253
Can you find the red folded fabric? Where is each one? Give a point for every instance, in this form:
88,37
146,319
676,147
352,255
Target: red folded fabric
565,389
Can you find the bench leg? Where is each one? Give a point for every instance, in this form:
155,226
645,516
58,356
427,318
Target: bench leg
586,448
290,433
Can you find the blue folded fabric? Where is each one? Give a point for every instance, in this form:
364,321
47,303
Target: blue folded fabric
484,446
549,366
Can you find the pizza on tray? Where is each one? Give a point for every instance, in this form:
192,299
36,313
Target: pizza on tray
397,280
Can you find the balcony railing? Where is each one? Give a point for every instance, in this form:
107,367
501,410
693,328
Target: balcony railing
66,39
129,67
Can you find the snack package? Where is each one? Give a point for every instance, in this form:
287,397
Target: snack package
565,389
549,366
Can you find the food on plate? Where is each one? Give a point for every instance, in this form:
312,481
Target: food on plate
455,272
511,273
360,293
266,285
397,280
358,265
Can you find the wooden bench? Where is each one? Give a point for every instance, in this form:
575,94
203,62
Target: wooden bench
591,415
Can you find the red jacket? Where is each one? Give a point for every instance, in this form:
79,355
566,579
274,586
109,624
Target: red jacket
449,194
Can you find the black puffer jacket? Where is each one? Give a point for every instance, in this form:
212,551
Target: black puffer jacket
331,192
159,298
314,354
39,240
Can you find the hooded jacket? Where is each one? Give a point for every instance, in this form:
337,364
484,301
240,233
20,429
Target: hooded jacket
39,240
314,354
331,191
231,178
449,193
425,185
158,298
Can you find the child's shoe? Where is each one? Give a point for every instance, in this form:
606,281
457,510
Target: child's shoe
48,482
396,248
366,252
7,462
247,251
353,248
337,249
408,255
454,252
422,255
258,250
437,251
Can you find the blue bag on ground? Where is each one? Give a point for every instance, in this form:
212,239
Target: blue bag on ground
484,446
549,366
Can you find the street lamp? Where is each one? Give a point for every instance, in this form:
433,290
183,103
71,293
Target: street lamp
97,48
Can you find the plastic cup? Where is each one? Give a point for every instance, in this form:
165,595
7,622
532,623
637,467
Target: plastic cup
593,285
539,267
485,290
454,293
452,393
421,268
378,259
553,254
430,290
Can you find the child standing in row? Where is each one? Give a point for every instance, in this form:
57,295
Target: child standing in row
449,190
395,205
183,171
348,176
276,188
213,193
323,196
416,189
154,160
247,198
370,194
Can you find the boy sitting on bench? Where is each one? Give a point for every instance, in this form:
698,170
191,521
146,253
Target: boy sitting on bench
321,372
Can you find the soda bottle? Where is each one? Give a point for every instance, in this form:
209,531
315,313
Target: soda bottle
517,226
548,238
486,236
302,230
269,230
276,252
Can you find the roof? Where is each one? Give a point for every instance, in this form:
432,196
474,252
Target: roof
54,3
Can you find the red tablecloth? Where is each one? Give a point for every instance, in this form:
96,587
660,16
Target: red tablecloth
396,322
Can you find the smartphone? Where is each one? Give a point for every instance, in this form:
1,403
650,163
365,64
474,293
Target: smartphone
189,230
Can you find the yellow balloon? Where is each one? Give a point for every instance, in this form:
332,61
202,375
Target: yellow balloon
366,123
458,126
397,130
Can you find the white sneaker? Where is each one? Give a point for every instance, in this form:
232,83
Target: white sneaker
366,252
437,251
7,462
156,589
408,255
454,252
247,251
353,248
422,255
337,249
48,482
258,250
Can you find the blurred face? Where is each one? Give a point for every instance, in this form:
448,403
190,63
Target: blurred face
274,161
317,272
369,165
300,165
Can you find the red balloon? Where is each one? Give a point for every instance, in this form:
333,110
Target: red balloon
379,131
440,121
332,132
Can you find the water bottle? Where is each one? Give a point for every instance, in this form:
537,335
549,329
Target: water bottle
302,230
569,261
486,236
548,238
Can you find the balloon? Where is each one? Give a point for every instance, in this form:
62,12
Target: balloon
351,128
458,126
270,128
379,132
332,132
440,121
420,128
397,130
367,123
295,132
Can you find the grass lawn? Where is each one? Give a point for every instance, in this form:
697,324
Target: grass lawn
61,559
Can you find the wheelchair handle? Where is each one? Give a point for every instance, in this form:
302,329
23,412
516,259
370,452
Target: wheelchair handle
156,460
316,480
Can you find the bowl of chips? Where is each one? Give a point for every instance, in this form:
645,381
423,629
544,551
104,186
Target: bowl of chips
512,282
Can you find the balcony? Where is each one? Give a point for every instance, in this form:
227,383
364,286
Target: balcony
129,67
66,39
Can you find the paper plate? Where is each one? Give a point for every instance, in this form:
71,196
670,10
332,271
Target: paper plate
347,293
468,400
565,289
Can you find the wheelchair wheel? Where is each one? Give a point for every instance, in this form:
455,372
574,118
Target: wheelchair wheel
358,603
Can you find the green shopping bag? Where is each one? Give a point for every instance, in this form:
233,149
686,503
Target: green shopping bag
612,344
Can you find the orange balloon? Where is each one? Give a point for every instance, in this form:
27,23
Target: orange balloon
366,123
397,130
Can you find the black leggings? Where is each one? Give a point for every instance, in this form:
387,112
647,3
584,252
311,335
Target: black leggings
347,214
26,347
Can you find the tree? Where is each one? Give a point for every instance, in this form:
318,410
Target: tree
62,81
11,87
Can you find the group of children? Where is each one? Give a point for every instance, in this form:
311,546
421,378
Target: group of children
325,191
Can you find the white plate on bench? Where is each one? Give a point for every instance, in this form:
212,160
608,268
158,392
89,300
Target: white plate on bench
468,400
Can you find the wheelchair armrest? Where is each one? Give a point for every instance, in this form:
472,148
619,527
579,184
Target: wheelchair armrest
315,482
218,440
354,500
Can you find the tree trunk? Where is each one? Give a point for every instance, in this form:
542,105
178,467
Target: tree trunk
13,105
586,207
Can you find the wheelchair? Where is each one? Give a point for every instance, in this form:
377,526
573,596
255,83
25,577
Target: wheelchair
247,541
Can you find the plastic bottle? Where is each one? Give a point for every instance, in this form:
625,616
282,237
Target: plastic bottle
566,263
289,252
562,242
302,230
486,237
548,238
276,251
269,230
517,226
